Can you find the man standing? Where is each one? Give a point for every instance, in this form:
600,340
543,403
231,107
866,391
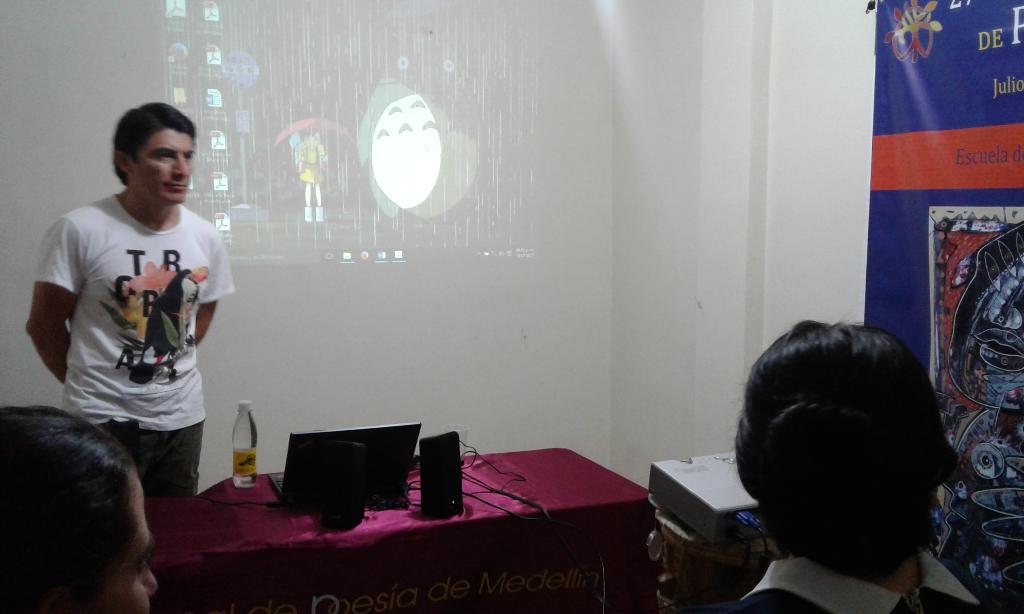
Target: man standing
137,276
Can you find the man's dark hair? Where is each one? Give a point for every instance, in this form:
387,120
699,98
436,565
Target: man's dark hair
841,443
65,510
137,125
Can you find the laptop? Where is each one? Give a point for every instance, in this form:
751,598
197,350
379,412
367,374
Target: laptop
389,457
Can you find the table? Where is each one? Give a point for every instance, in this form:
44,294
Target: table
226,551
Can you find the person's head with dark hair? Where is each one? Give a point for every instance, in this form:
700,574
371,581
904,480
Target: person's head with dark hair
137,125
153,150
841,443
74,534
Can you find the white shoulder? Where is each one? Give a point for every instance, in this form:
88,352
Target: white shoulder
197,223
97,213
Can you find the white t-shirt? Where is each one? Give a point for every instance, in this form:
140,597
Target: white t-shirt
132,353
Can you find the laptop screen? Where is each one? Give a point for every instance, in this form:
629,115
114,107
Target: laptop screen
389,457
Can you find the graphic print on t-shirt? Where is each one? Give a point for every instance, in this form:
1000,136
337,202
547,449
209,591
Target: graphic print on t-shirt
152,309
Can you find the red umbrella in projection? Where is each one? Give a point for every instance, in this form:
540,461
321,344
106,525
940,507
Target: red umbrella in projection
307,124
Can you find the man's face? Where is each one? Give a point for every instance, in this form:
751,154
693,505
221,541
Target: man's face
129,583
159,174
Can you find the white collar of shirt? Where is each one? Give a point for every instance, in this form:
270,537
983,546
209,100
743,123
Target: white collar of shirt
839,594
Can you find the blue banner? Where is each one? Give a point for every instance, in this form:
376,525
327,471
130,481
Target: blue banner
946,257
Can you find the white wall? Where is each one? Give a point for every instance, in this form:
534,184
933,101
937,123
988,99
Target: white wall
656,56
705,187
819,160
756,218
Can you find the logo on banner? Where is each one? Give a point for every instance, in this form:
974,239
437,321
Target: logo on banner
915,21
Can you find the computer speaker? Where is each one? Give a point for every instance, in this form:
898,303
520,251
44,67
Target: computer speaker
344,483
441,475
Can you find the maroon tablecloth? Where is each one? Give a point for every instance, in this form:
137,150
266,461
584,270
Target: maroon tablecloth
239,556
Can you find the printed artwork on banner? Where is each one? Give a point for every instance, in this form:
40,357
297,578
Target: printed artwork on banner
977,361
915,35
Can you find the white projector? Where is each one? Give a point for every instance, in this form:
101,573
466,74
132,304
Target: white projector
704,492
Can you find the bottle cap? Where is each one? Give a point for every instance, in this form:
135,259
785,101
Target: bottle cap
245,406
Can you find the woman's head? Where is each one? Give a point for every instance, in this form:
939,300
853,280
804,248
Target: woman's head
75,531
841,443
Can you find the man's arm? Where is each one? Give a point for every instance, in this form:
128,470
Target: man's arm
203,318
52,307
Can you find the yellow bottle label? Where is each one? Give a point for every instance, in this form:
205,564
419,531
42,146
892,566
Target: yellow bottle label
245,462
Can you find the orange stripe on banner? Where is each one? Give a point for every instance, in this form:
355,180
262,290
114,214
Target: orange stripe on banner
973,158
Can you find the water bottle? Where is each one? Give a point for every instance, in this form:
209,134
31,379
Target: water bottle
243,439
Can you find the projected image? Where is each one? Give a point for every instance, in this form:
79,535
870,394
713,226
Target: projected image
330,127
310,157
978,366
411,166
405,152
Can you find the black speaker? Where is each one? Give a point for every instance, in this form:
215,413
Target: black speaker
441,475
344,483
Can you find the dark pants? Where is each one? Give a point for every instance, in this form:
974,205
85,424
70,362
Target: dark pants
167,461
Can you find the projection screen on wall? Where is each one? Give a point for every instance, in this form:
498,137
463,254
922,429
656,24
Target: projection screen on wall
352,132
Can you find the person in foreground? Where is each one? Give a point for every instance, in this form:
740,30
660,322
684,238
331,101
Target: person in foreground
841,444
73,532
